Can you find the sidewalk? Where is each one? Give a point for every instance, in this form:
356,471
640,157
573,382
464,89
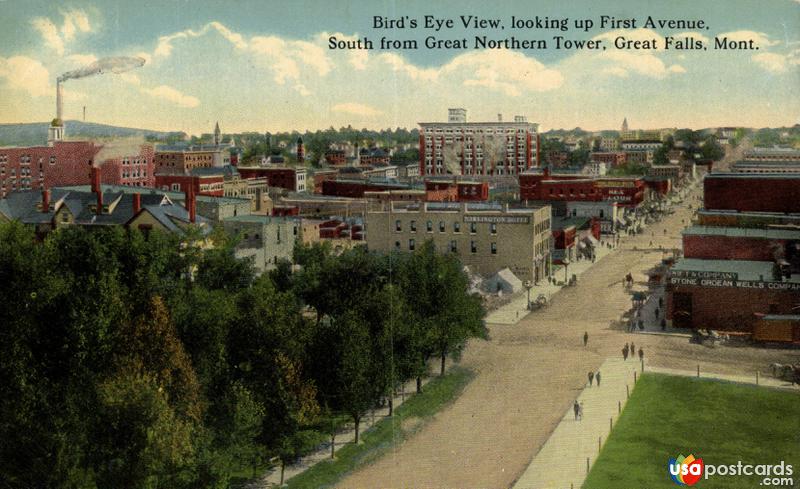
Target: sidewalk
272,477
563,461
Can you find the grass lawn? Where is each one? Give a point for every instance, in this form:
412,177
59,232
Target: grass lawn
407,419
720,422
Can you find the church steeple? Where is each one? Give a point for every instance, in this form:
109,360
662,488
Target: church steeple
217,134
625,124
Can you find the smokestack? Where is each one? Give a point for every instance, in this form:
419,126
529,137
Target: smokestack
45,201
191,206
137,203
96,189
84,113
499,117
59,102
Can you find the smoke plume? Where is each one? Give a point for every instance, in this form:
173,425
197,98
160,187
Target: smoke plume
115,64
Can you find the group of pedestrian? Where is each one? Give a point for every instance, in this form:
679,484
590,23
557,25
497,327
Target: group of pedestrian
594,376
631,350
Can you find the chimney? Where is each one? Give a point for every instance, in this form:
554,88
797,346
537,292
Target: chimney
97,189
59,101
137,203
499,117
191,207
45,201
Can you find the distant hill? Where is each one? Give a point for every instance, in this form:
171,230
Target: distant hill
35,133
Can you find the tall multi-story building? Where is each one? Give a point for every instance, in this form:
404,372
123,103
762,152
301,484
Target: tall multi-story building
486,237
458,147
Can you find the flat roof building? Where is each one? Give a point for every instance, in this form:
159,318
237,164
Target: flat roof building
486,237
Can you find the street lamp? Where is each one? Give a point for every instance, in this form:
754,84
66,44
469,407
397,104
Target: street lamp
528,285
566,267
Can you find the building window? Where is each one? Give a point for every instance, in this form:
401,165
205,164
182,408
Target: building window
413,226
429,227
441,226
411,244
493,228
397,245
494,248
456,227
454,246
473,246
473,228
398,225
176,187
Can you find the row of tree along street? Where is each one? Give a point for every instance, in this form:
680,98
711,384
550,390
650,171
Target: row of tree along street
121,370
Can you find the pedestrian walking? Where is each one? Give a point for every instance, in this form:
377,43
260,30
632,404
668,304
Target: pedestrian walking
641,354
633,349
657,312
591,377
660,302
585,338
580,411
663,324
597,378
577,408
625,352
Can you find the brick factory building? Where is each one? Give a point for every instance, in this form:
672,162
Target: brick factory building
741,265
292,179
486,237
458,147
70,162
536,185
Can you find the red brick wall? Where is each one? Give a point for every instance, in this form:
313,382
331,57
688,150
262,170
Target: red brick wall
728,248
276,177
759,193
730,308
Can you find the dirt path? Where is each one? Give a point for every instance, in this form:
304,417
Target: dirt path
530,373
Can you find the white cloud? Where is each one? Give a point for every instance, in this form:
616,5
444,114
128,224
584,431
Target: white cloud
357,58
49,33
74,20
398,64
676,69
506,71
164,47
173,95
131,78
760,39
27,74
82,59
354,108
616,71
772,62
57,38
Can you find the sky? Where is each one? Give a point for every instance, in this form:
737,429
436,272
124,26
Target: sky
266,66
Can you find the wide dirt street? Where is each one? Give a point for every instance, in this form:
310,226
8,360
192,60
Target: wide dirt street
528,374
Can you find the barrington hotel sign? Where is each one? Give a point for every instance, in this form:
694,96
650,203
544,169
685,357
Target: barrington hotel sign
499,219
725,279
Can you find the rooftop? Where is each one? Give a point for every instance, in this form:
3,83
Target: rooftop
737,232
